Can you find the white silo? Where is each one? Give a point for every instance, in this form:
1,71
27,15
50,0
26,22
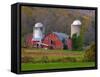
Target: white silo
38,30
75,27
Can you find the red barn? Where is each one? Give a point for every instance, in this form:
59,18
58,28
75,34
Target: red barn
55,40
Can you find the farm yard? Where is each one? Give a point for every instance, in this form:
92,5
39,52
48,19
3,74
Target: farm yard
39,59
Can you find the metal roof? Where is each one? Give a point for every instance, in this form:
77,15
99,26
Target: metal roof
61,36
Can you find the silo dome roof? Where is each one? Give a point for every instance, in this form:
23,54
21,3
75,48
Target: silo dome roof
76,22
38,24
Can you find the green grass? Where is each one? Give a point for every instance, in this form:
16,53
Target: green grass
38,66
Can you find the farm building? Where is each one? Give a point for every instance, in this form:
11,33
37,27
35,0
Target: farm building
55,40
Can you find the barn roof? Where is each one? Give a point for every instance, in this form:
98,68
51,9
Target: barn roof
61,36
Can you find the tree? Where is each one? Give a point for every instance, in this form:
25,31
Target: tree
77,42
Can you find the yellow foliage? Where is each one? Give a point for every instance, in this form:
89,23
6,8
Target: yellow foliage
26,10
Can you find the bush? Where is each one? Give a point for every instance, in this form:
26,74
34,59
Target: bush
90,53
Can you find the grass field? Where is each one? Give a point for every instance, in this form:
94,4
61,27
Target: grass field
37,55
31,66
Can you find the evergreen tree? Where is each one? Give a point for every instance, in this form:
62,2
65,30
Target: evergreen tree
77,42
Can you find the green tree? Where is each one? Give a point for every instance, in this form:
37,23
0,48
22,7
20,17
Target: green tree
77,42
